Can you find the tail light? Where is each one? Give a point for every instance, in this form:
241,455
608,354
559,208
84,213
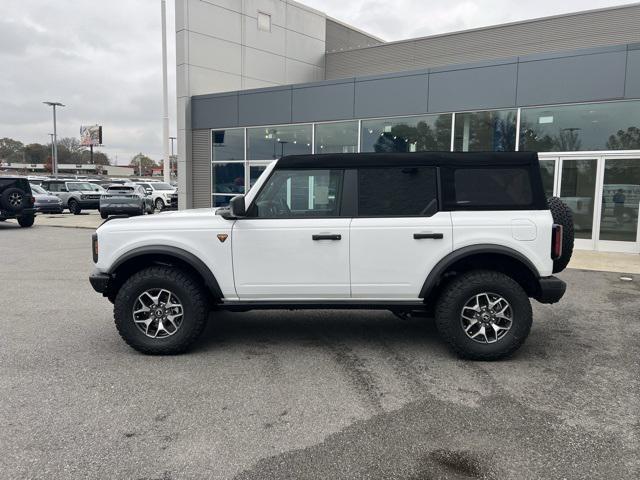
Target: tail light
556,241
32,200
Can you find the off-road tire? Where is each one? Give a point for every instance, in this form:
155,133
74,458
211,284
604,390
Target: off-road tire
9,198
104,215
74,207
563,215
194,303
26,221
459,291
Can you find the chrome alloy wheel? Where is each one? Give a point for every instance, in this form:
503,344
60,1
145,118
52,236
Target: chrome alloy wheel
486,317
15,199
158,313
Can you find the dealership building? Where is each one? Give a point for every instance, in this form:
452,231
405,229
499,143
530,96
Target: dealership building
258,79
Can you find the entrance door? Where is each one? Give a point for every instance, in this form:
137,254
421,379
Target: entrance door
620,205
578,178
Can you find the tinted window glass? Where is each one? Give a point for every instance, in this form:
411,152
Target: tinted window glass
300,193
267,143
339,137
410,134
228,178
228,144
397,191
493,131
492,187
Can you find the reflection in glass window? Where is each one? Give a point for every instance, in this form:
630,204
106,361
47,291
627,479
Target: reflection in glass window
228,178
548,172
300,193
340,137
270,143
222,200
254,173
227,144
596,126
577,190
493,131
411,134
620,200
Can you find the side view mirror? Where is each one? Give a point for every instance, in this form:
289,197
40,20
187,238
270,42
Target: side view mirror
237,207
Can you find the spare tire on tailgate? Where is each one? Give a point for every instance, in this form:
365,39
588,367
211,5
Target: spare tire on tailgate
562,215
13,199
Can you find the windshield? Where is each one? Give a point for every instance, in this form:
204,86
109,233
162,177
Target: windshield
82,187
38,189
161,186
120,188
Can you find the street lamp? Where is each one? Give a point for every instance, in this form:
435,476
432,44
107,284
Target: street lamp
171,157
51,135
55,136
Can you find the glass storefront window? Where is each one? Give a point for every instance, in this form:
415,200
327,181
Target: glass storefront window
228,178
221,200
254,173
227,144
340,137
602,126
492,131
577,190
548,173
620,200
270,143
409,134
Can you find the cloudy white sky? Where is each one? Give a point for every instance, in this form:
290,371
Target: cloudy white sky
103,58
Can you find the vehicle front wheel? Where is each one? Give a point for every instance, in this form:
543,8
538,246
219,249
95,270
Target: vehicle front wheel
161,310
104,215
74,207
26,221
484,315
159,204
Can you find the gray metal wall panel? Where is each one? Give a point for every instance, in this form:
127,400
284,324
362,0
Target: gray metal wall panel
474,88
201,168
262,108
214,111
391,96
572,79
614,26
327,102
340,37
632,84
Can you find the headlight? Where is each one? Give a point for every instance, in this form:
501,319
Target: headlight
81,196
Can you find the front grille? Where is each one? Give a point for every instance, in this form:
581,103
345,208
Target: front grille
92,197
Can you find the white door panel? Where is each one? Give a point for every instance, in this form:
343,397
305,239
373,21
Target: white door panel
279,259
388,262
525,231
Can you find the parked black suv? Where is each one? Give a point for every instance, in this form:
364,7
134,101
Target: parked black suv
16,200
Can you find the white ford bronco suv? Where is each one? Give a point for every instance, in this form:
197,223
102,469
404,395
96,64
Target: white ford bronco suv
465,237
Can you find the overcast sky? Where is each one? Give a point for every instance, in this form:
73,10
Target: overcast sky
103,59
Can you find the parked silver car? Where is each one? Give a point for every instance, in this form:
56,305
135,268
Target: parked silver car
128,199
44,201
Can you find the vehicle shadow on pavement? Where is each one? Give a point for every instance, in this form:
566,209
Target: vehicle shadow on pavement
316,328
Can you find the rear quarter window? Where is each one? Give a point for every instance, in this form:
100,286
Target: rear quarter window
500,188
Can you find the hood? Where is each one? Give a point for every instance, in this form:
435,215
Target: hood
181,219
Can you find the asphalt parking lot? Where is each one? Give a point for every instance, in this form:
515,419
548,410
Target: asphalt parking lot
322,395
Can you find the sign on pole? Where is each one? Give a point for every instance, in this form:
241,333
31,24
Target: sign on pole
91,135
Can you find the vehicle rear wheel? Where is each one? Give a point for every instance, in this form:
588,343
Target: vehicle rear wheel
26,221
74,207
13,199
161,310
159,204
484,315
562,215
104,215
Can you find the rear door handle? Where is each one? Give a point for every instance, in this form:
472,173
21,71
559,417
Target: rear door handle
420,236
331,236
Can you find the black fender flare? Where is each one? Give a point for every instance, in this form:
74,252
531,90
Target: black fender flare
182,255
434,276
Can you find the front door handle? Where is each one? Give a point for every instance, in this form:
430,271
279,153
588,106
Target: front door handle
330,236
420,236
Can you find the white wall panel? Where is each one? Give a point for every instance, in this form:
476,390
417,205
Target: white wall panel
215,21
213,53
263,65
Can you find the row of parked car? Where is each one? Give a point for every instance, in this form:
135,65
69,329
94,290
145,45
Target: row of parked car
21,198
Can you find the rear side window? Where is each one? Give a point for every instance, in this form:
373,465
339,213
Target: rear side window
397,192
489,187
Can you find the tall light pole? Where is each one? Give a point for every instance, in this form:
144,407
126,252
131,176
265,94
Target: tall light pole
165,96
55,136
51,135
171,157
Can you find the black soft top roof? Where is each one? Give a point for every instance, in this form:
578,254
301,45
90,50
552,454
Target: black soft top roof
353,160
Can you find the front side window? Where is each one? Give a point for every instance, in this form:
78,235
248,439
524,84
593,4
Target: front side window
300,193
80,187
161,186
397,192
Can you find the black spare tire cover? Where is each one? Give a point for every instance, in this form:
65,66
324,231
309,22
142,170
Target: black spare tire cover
562,215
